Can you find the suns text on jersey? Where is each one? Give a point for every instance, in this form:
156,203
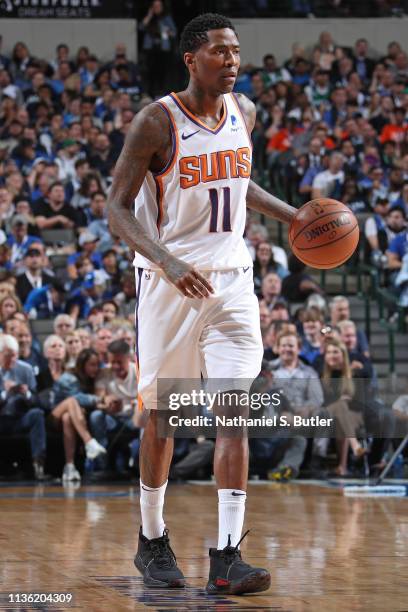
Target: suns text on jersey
216,166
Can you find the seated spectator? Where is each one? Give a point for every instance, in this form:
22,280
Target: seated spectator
338,108
67,154
306,184
396,183
282,140
363,65
298,285
396,130
269,336
102,339
312,325
102,158
306,394
54,213
358,361
73,393
264,316
352,197
300,385
397,250
280,312
126,333
81,300
110,311
5,254
90,184
74,186
63,325
55,352
27,351
83,266
46,302
374,185
339,308
11,326
117,387
126,299
265,262
402,201
271,73
34,275
381,229
338,391
94,320
87,243
110,266
19,241
271,289
98,222
18,412
85,337
257,233
7,208
74,347
328,184
273,455
9,305
318,90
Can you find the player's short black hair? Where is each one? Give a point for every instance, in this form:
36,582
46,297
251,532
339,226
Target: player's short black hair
195,32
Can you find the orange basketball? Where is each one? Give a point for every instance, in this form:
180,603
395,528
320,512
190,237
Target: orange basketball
324,233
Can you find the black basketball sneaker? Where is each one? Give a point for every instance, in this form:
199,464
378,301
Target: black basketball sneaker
157,563
230,575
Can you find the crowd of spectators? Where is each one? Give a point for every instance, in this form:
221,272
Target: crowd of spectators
330,122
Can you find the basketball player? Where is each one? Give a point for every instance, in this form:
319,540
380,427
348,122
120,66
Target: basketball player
186,163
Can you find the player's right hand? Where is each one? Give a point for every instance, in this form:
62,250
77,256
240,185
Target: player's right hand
187,279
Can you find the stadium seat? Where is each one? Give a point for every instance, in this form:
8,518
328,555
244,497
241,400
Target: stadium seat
59,237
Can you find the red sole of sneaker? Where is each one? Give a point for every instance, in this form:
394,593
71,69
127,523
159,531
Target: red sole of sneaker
254,583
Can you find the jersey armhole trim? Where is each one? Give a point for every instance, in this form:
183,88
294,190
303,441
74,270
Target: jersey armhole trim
235,100
174,142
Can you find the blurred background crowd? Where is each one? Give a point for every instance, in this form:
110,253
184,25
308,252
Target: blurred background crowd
331,121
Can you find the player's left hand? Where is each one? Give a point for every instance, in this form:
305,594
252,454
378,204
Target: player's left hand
186,278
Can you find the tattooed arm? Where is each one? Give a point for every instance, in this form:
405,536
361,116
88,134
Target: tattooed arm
257,198
147,147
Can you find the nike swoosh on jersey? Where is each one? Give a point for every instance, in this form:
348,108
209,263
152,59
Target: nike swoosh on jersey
246,269
186,136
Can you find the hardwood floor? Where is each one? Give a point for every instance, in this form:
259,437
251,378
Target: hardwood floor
326,552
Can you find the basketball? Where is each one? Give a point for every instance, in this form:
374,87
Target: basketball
324,233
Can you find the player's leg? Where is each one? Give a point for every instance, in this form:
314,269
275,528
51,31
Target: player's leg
166,351
232,351
154,463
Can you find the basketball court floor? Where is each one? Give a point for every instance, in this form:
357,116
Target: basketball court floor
326,552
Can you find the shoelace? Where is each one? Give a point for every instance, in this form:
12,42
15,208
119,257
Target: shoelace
163,555
230,553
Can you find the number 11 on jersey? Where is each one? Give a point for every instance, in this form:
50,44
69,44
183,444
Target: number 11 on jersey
226,211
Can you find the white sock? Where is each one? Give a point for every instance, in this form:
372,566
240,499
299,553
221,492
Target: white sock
231,511
151,506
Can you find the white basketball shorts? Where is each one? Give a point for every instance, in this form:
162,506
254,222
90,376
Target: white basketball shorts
181,338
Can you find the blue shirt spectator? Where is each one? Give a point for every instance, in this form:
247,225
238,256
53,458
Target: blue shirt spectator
45,302
399,245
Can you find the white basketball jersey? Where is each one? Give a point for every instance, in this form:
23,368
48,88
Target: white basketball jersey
196,206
